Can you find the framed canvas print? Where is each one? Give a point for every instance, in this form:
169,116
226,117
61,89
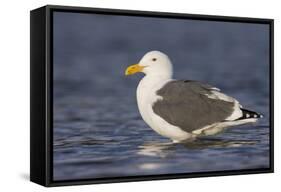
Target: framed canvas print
119,95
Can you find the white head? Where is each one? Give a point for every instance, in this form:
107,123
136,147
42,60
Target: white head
153,63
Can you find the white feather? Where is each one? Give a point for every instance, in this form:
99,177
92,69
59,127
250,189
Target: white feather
219,127
237,112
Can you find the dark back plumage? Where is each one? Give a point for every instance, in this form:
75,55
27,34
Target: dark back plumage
186,105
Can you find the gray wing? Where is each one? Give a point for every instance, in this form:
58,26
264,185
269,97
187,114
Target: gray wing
191,105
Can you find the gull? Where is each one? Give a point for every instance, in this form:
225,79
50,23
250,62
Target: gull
183,109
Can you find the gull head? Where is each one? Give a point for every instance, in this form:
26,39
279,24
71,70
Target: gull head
153,63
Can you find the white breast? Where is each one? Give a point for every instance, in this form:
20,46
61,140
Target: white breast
146,96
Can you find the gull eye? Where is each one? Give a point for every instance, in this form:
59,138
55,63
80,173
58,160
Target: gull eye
154,59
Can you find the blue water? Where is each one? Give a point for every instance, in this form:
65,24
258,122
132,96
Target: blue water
98,131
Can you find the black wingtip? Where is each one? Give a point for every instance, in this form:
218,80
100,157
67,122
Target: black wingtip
247,114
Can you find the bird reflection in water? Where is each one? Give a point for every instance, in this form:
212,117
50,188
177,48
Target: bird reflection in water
164,149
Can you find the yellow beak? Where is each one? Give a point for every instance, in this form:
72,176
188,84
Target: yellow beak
132,69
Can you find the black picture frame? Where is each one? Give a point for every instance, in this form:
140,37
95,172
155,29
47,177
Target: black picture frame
41,115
